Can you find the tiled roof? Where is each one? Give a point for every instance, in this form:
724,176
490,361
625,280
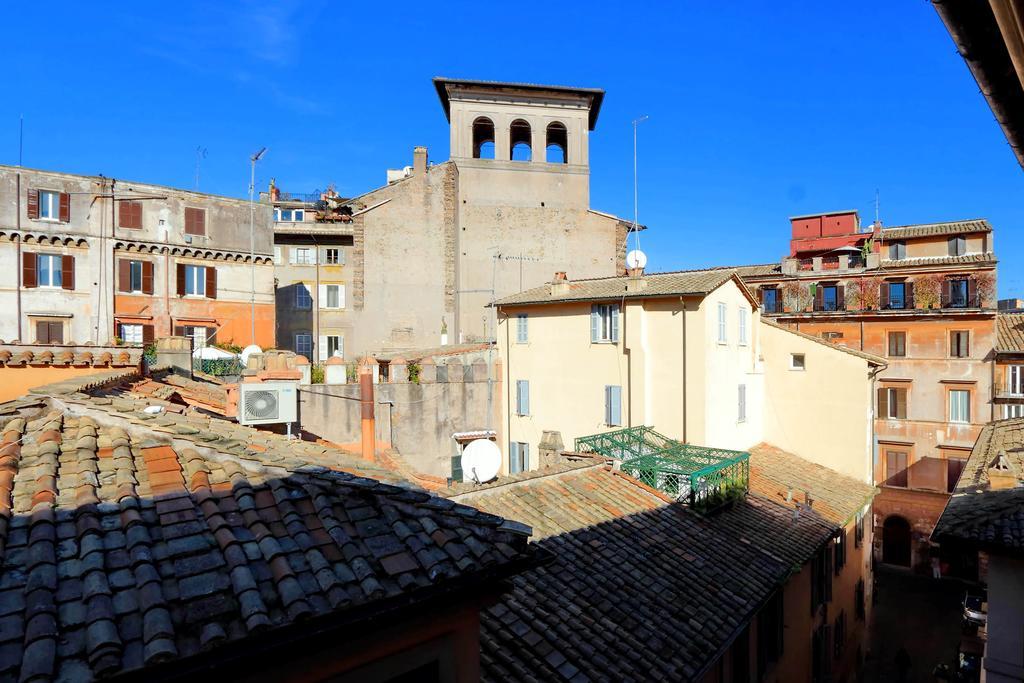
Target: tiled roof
609,288
889,264
780,475
639,588
69,356
992,519
869,357
1010,332
172,388
933,229
131,539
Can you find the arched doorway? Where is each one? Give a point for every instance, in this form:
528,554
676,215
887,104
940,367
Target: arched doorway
896,541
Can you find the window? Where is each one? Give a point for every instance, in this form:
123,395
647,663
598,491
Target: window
613,406
198,335
839,550
959,344
520,141
797,361
304,344
522,330
135,276
839,633
195,221
522,397
829,298
303,299
770,302
277,255
897,344
335,346
1015,380
519,457
129,215
858,534
958,293
954,467
897,251
741,408
723,312
457,474
48,268
332,296
744,314
957,245
332,256
49,332
131,334
897,295
195,280
896,468
832,335
960,406
289,215
557,144
1013,410
483,138
892,403
304,256
821,578
49,205
604,323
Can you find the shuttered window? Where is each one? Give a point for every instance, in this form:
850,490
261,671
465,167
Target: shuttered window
331,296
959,344
892,403
613,406
897,251
49,332
195,280
744,315
195,221
48,269
519,457
957,245
129,215
522,397
522,329
897,344
722,325
604,323
896,468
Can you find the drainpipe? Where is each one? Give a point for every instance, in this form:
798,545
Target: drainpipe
316,310
103,257
368,440
682,305
17,265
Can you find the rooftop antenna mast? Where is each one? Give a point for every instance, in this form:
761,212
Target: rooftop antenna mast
200,155
636,194
21,137
876,208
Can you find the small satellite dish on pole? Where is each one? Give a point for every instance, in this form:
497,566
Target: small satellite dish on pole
481,460
636,259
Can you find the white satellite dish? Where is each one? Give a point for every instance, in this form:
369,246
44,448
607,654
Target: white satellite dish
248,351
481,460
636,259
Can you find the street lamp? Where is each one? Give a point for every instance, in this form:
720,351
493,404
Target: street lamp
252,243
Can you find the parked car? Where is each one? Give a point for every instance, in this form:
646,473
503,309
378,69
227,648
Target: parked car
975,608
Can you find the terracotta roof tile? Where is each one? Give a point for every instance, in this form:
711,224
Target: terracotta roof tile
1010,332
63,355
932,229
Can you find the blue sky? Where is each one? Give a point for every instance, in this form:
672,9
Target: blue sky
757,111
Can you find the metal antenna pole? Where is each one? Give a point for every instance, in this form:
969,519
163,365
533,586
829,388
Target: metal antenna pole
636,193
252,243
21,137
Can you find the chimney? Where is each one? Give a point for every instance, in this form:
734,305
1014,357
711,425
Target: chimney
368,437
560,284
275,191
175,353
1001,474
419,160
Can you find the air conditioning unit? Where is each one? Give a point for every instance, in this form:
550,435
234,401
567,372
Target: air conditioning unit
261,403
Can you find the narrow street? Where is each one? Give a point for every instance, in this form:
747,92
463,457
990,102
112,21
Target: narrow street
916,613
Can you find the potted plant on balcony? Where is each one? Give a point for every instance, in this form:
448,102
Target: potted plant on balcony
928,291
796,297
862,294
985,286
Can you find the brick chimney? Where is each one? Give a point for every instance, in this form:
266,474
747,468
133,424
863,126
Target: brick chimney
560,284
1001,475
419,160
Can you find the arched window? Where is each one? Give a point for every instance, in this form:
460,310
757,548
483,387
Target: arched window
483,138
557,145
520,141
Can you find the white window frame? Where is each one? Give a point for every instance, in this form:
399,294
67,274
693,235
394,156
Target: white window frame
744,314
741,403
1015,380
801,366
607,324
277,255
198,282
339,346
56,273
303,256
959,406
1013,410
304,340
522,329
197,333
326,296
723,317
303,297
327,256
131,333
52,205
135,267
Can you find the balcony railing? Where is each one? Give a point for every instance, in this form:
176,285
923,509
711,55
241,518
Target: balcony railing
830,263
770,307
961,301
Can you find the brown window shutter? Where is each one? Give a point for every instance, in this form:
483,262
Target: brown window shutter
883,403
908,294
33,203
901,404
840,297
179,331
760,295
124,215
201,221
211,282
946,290
883,296
42,332
818,294
28,269
147,334
67,272
124,275
147,277
56,333
136,215
972,293
65,207
188,222
195,221
181,279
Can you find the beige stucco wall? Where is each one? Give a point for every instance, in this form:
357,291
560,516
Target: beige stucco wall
939,246
822,413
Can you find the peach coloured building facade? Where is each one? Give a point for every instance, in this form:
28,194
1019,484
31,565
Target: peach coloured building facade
922,297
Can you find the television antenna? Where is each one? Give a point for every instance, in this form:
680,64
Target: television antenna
200,155
636,193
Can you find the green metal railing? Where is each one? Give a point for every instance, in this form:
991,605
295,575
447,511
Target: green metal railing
705,478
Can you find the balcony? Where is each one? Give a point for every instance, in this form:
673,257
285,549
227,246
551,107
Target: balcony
703,478
955,300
